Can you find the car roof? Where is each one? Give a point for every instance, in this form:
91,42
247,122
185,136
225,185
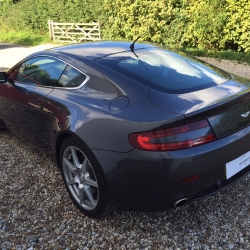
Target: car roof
93,50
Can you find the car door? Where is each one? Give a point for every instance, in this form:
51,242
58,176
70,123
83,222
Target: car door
22,101
59,105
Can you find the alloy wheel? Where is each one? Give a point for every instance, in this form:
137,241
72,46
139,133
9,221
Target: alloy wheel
80,178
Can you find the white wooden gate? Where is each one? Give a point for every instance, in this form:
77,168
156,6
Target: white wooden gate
74,32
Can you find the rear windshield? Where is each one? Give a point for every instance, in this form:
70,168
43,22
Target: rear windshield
165,70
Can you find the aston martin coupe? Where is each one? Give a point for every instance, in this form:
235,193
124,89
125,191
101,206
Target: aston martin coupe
132,126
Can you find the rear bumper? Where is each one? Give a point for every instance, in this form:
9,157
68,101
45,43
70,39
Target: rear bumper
142,180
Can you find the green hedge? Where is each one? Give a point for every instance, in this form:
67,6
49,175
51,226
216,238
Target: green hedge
202,24
34,14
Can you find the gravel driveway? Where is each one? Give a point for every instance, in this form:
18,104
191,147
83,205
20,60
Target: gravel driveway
36,211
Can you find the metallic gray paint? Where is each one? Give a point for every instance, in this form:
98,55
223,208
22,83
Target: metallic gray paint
152,180
198,100
110,106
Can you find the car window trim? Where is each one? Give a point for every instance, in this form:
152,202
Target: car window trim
43,86
38,86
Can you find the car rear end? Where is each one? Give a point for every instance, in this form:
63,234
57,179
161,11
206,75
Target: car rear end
188,159
151,179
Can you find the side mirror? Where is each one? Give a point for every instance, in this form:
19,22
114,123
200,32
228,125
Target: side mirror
3,77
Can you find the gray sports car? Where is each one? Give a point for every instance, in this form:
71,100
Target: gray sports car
133,126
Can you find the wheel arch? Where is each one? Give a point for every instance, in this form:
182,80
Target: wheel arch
68,141
65,135
59,141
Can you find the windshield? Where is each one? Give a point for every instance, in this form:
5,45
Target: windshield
165,70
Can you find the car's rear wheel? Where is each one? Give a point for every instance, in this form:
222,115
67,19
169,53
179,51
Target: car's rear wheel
84,179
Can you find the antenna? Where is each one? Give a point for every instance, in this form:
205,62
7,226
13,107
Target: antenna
132,46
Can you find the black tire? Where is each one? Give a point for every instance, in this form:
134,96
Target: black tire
84,179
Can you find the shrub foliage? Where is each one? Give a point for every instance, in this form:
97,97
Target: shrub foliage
202,24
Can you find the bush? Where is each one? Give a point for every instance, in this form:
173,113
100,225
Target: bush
237,28
128,19
202,24
206,23
34,14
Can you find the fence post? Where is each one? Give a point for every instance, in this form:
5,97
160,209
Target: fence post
50,29
99,26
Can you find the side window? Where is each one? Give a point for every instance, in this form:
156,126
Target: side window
41,71
71,78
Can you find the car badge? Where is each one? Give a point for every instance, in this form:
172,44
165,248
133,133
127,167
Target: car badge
245,114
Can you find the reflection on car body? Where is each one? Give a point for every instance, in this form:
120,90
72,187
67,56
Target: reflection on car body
142,128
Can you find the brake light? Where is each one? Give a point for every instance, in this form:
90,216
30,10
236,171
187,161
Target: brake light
191,179
166,139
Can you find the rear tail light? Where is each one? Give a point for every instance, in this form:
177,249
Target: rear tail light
172,138
191,179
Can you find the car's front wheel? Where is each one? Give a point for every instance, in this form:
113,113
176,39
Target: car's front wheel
84,179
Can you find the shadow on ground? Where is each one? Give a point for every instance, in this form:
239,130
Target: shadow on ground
8,46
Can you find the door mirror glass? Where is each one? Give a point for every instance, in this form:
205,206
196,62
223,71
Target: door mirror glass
3,77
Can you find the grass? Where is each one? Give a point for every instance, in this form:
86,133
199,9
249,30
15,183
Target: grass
240,57
23,37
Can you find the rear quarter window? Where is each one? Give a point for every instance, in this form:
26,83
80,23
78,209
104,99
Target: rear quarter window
71,78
